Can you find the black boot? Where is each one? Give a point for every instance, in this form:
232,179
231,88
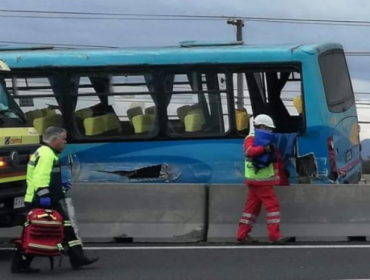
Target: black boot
78,259
21,263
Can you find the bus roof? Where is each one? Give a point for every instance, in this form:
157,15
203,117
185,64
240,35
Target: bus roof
205,54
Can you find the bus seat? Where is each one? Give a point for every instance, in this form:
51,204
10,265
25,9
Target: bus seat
242,119
195,106
151,110
94,126
297,102
152,116
135,111
84,113
34,114
182,112
47,112
142,123
198,111
42,123
111,122
241,110
194,122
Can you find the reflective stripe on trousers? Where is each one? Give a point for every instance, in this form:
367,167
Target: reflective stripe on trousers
273,217
248,219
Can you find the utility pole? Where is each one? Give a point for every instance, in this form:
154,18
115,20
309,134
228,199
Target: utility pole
239,37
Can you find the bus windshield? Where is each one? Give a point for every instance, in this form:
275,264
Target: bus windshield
8,108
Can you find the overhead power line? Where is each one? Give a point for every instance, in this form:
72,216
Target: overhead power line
111,18
159,17
113,14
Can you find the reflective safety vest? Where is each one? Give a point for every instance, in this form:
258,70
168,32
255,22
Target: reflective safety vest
44,172
263,176
252,173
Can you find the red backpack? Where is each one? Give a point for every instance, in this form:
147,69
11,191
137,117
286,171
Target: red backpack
43,234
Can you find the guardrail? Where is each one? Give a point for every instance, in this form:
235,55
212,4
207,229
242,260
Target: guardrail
193,213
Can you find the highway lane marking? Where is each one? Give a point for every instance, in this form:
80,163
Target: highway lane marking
235,247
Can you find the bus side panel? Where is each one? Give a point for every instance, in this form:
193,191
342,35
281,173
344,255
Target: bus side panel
182,161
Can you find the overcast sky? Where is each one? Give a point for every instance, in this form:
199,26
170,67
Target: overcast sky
157,33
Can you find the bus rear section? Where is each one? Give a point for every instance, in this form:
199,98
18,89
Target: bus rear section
343,143
18,140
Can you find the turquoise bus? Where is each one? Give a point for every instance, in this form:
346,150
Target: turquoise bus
176,114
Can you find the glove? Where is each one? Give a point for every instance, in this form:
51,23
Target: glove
45,201
66,185
270,148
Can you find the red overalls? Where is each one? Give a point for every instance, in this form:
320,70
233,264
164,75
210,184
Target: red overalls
262,192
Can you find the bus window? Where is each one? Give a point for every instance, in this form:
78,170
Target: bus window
120,105
337,82
270,92
197,104
37,97
291,96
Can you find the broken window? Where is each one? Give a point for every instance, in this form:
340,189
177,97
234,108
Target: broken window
270,92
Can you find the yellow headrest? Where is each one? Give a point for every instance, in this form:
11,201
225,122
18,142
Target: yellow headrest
194,122
31,115
94,126
111,122
242,119
241,110
132,112
47,112
182,112
142,123
297,102
42,123
197,111
84,113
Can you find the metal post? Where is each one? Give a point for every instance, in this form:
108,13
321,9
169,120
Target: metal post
239,37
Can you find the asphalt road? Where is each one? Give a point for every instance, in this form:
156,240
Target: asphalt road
210,263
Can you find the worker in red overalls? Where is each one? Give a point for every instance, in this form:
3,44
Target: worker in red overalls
263,170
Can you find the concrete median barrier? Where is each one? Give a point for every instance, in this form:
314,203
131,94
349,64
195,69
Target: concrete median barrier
145,213
309,212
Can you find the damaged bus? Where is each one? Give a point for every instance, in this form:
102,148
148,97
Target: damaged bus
180,114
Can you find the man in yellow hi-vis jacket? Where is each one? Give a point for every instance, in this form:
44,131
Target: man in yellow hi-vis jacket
45,190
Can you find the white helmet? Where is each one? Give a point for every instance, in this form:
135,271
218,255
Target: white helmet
264,120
